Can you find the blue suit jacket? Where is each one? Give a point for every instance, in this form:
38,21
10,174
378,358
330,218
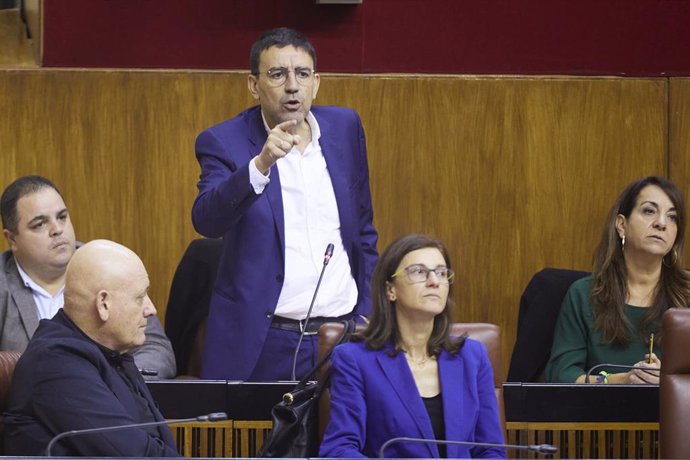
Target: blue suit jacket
250,276
374,398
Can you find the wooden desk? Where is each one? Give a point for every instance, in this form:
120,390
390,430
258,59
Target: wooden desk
248,405
584,421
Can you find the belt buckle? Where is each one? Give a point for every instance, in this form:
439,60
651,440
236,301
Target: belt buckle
302,325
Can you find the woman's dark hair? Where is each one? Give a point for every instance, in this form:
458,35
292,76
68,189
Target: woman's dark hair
383,326
609,274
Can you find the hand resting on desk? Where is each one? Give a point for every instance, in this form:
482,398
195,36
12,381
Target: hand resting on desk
646,376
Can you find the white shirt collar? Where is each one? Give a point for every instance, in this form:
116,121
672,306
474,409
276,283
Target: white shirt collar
46,304
30,283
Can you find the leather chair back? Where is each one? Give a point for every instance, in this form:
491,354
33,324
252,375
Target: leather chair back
674,403
488,334
188,303
539,307
8,361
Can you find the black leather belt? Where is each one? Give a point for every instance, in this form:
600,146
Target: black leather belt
294,325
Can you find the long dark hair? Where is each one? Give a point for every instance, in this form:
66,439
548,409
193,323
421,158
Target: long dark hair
383,326
609,283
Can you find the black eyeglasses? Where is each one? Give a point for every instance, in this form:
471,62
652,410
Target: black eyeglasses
277,76
418,273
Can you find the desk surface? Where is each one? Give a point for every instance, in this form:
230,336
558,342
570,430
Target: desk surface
240,400
549,402
524,402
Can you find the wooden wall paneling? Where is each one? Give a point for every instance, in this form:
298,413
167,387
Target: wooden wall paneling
679,140
120,146
513,174
16,48
34,18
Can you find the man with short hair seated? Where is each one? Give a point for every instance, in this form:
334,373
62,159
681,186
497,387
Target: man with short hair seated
76,372
37,225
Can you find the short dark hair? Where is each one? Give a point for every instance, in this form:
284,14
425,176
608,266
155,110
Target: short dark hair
281,38
25,185
383,326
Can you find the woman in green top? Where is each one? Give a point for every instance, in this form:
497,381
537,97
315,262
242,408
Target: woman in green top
609,316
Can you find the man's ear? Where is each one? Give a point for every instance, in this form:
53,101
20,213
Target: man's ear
252,85
620,225
9,236
315,86
103,305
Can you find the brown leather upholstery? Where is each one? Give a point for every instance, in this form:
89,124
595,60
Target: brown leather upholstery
488,334
8,360
674,407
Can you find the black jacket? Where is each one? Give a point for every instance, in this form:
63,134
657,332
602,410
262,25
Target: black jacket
66,381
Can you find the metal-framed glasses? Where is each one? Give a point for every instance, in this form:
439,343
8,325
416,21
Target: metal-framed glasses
277,76
418,273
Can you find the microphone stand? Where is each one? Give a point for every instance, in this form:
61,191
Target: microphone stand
214,417
540,448
326,258
615,366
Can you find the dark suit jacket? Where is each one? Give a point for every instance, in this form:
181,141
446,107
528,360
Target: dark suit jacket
374,398
251,271
19,320
66,381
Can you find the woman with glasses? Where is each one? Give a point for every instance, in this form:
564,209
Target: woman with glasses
614,315
405,376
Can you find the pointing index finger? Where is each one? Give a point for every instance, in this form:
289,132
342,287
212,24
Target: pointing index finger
286,125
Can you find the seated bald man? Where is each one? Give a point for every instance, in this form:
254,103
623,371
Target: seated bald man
76,372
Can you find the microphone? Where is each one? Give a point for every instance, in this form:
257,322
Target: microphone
540,448
326,258
329,254
213,417
615,366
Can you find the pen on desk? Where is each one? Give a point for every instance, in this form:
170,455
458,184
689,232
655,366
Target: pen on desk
651,347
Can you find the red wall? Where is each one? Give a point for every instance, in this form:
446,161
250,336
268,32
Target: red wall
587,37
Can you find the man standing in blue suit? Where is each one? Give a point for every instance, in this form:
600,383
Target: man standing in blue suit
280,182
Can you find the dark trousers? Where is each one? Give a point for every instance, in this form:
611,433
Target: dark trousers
275,361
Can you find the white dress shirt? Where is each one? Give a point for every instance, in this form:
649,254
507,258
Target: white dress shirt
46,304
311,223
